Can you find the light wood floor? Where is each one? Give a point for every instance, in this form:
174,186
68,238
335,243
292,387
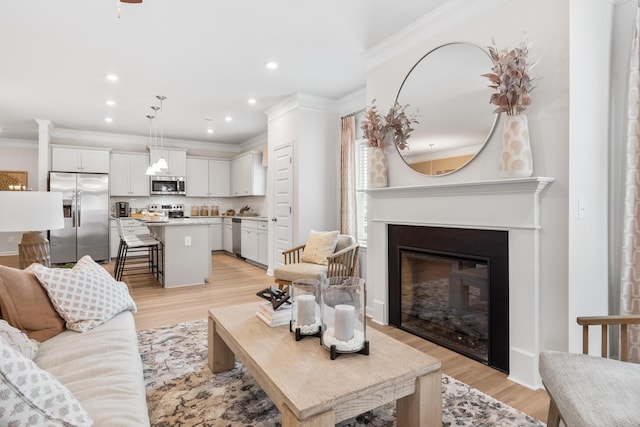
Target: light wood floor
234,282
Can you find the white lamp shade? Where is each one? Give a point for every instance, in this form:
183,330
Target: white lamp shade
30,211
162,164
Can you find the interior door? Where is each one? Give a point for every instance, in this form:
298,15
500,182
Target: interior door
283,201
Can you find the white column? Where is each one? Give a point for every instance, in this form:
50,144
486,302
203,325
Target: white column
44,138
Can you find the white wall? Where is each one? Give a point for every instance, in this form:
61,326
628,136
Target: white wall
18,156
546,23
589,72
311,125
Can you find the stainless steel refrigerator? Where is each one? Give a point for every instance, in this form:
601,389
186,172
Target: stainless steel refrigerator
85,205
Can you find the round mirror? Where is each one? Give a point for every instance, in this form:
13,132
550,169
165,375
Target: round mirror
451,98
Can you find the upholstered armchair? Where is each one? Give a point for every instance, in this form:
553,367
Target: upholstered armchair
589,390
318,261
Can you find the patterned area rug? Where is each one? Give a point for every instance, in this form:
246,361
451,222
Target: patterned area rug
182,391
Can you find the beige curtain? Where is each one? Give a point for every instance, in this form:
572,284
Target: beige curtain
630,280
348,217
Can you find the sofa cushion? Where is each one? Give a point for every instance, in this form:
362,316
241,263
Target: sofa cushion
86,295
24,304
320,244
18,340
103,370
301,270
32,396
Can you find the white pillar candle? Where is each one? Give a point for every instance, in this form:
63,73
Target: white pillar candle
306,309
345,318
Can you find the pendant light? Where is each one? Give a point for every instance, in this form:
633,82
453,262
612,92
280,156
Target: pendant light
155,166
150,170
162,163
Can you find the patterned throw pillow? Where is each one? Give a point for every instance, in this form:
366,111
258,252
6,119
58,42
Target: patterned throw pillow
30,396
18,340
319,246
86,295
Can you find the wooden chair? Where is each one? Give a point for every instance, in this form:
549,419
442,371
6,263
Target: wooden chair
341,263
593,391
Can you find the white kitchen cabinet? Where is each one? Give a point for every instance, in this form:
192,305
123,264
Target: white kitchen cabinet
68,159
227,235
249,240
176,161
128,175
263,242
248,175
215,234
208,177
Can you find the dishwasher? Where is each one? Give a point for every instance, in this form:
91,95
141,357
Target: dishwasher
236,228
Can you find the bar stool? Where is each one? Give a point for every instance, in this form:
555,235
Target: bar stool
130,255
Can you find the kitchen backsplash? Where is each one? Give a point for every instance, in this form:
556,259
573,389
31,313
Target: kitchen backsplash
257,203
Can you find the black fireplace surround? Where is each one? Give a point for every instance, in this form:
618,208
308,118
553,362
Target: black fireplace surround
490,247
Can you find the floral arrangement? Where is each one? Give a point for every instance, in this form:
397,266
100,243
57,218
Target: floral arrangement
397,121
510,79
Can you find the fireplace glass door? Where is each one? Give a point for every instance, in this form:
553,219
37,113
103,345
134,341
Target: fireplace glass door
445,299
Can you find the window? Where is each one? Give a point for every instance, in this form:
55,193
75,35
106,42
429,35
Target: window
361,181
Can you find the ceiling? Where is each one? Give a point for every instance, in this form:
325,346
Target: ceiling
206,56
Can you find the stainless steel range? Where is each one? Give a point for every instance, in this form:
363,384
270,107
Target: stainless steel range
171,211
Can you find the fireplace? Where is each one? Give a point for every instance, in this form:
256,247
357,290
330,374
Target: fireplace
451,286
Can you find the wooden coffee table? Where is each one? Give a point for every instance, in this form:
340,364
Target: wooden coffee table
309,389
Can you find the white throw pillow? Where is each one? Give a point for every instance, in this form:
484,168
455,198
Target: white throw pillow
30,396
319,246
86,295
18,340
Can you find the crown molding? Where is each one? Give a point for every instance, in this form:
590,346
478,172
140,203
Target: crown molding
18,143
302,101
115,140
444,18
351,102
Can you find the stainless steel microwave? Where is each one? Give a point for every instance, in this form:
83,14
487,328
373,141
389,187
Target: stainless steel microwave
168,185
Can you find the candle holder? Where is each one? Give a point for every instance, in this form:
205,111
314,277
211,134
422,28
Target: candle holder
343,302
305,308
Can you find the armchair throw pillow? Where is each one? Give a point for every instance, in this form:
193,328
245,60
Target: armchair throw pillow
319,246
86,295
24,304
30,396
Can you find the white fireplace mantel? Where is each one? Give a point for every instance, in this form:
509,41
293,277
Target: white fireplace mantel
513,205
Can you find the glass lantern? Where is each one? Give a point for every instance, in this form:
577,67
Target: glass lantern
343,302
305,308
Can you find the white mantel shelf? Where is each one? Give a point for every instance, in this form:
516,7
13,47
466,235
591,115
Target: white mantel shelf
532,185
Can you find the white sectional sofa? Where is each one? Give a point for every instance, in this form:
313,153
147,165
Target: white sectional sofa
102,369
72,327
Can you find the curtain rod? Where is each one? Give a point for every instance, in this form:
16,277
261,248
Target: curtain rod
359,111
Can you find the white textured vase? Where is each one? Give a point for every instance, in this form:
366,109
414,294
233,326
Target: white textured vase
516,160
377,167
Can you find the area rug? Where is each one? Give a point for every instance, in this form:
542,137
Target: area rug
182,391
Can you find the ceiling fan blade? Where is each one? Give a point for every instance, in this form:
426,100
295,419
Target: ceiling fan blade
131,1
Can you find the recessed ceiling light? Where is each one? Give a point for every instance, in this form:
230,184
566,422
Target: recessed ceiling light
112,77
251,101
108,119
272,65
209,130
228,119
111,102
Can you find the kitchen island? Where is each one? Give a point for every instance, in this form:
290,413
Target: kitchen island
186,251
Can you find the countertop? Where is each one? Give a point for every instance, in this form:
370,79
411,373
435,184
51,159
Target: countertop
192,221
